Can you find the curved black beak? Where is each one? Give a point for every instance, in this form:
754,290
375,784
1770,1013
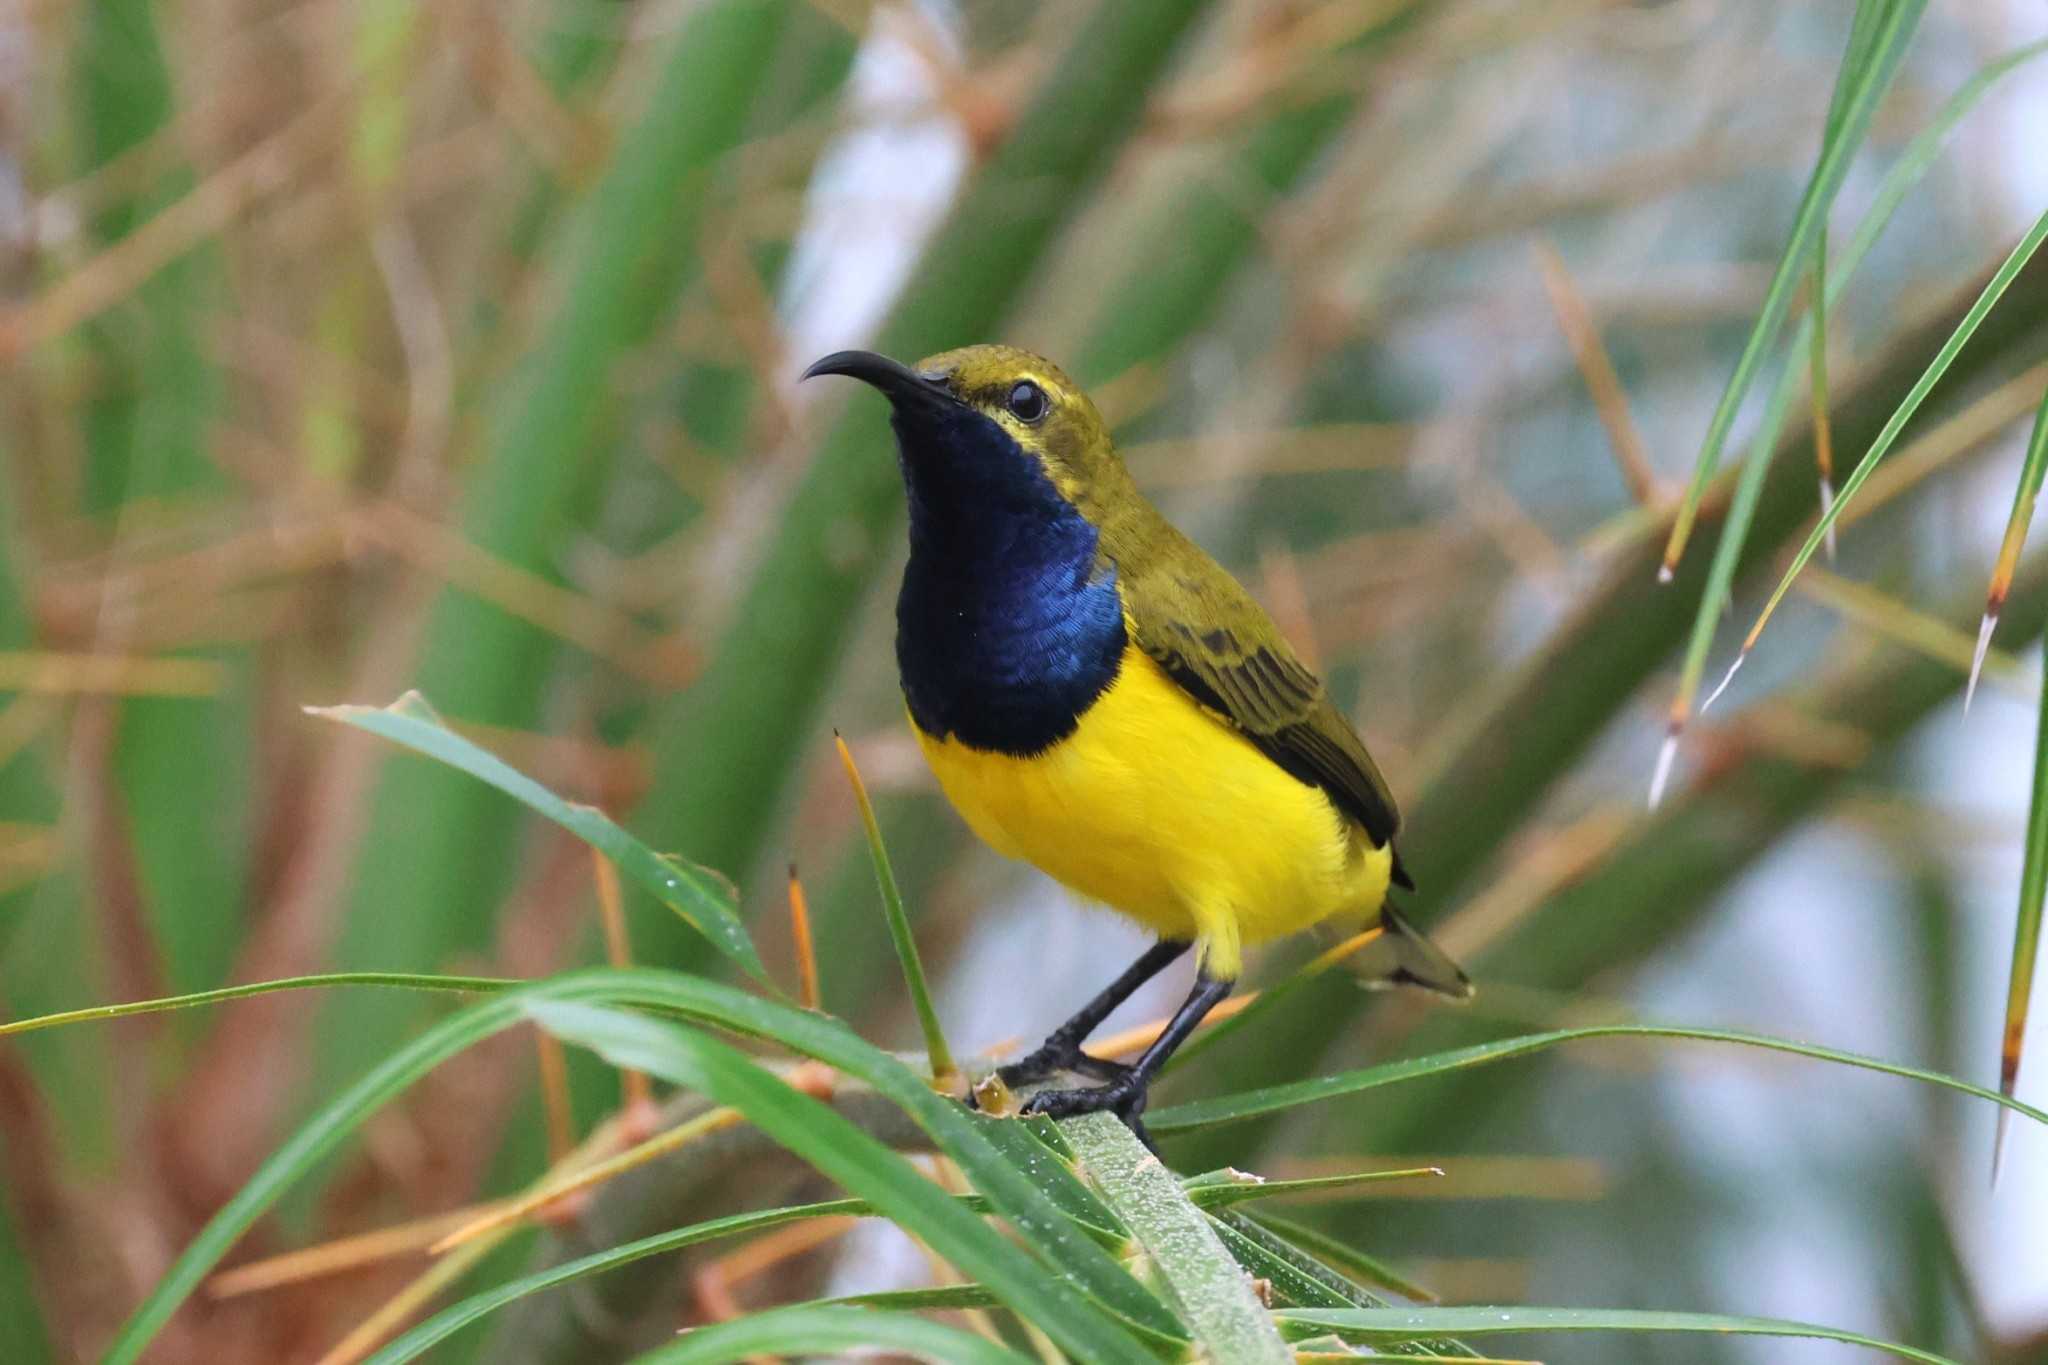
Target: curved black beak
901,385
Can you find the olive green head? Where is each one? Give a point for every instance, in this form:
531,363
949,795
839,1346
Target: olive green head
1044,415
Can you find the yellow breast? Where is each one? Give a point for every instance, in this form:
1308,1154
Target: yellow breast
1159,809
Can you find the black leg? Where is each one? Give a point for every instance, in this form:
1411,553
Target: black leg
1061,1051
1125,1094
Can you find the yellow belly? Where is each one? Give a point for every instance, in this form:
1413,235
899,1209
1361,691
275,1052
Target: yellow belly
1159,809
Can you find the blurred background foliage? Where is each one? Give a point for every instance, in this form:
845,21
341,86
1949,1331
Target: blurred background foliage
353,347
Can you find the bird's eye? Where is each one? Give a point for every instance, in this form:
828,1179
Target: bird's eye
1027,402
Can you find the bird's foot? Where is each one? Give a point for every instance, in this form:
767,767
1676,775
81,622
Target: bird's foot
1056,1056
1125,1097
1048,1061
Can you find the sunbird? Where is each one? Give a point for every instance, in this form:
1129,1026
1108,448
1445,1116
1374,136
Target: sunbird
1100,698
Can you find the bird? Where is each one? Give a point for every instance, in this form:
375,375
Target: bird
1099,697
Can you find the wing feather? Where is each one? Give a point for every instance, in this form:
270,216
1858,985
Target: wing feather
1210,637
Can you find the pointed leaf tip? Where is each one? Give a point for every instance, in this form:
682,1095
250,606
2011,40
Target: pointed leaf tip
1667,752
1729,677
1984,629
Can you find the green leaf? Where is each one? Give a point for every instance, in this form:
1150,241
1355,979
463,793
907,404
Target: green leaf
931,1296
2026,938
698,897
2016,524
1011,1193
1029,1145
299,1154
821,1329
1215,1297
1223,1189
1898,181
850,1157
937,1053
1299,1280
390,980
1877,42
1231,1108
1345,1257
1407,1324
455,1317
1908,406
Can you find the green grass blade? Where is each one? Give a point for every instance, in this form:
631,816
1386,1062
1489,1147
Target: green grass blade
1345,1257
1299,1280
1993,291
1230,1109
1898,181
1817,384
1859,88
457,1316
1011,1193
2026,937
1406,1324
219,995
1296,1280
945,1074
1671,875
298,1155
933,1296
828,1329
1216,1299
853,1160
1037,1147
1226,1189
2015,539
697,897
1489,769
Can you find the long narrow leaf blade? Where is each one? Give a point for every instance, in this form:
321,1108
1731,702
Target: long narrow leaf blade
2015,539
698,897
826,1329
410,981
944,1073
1231,1108
2026,936
299,1155
1013,1194
1406,1324
1867,73
856,1162
1904,413
1216,1300
459,1315
1904,174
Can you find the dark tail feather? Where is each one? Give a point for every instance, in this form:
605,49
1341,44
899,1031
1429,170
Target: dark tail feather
1418,962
